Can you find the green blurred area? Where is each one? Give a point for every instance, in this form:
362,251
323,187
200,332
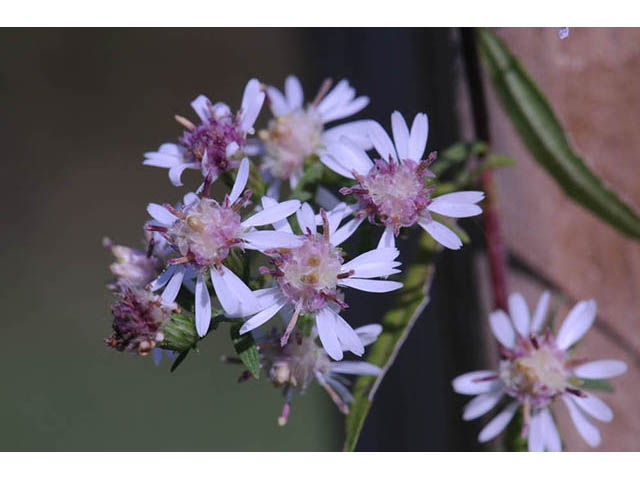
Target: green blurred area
79,109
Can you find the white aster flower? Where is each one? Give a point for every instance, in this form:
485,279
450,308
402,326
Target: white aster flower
536,369
299,362
311,276
217,143
298,131
202,233
392,189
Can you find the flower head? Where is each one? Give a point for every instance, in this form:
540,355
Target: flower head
298,131
138,318
202,233
301,361
310,278
393,190
214,145
536,368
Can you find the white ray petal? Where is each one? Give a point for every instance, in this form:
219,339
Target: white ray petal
441,234
600,369
201,106
244,295
418,137
366,285
293,92
536,435
241,180
161,214
388,238
343,233
355,368
306,219
552,441
381,141
587,430
272,214
270,239
261,317
252,100
369,333
456,204
227,299
541,312
372,256
474,383
345,110
327,332
173,287
162,280
578,321
498,424
594,407
348,338
502,329
279,105
519,313
203,307
400,135
332,163
481,404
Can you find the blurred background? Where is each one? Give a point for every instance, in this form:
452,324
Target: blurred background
80,107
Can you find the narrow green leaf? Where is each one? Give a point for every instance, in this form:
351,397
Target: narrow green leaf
179,360
410,302
455,155
599,385
246,349
540,130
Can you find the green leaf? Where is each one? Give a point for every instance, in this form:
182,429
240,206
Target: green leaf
179,360
599,385
538,127
410,302
246,349
312,174
455,155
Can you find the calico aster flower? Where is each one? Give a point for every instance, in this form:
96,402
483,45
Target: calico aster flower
214,145
537,368
301,361
203,232
310,279
298,131
392,190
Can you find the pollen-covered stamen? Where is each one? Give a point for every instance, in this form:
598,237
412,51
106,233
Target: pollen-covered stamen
206,232
308,275
537,371
394,193
324,88
209,142
342,406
